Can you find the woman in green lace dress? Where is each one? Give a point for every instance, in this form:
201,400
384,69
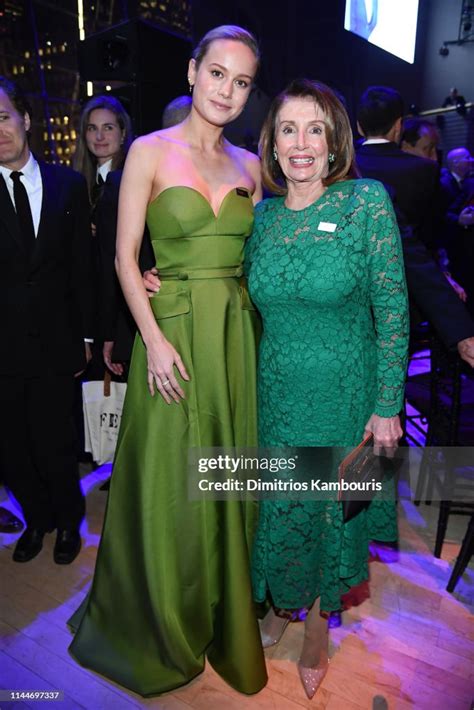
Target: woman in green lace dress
326,273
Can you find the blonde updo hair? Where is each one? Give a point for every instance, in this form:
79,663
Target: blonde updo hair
232,32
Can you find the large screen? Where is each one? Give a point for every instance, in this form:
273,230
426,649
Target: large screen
389,24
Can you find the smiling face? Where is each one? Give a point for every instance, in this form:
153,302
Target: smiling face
222,81
103,134
14,151
301,140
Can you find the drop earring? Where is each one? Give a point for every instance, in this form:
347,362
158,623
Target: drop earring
331,158
275,154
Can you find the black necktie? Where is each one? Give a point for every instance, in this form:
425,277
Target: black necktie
97,190
23,212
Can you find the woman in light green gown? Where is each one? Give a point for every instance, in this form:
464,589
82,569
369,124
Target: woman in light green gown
172,582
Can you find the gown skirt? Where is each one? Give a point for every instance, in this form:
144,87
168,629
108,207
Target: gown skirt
172,581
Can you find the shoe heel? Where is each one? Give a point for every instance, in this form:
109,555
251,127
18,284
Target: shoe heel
268,641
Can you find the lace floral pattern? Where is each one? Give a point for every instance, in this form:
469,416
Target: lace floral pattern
329,283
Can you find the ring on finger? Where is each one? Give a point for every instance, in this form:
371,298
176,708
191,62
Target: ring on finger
165,382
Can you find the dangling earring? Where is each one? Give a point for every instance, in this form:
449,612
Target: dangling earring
191,86
331,158
275,154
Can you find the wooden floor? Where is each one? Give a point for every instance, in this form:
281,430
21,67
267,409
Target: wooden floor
410,644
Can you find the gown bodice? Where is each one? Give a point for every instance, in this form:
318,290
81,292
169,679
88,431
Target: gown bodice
186,233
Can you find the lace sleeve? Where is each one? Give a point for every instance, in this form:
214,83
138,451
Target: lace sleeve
388,299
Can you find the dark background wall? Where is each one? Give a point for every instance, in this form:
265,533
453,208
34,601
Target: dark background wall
457,69
307,37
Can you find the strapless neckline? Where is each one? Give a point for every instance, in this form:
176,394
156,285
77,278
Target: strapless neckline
204,198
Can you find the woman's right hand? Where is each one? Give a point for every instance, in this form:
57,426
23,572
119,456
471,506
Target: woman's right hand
162,359
151,281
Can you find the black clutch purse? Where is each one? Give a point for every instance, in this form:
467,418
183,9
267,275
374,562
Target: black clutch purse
360,466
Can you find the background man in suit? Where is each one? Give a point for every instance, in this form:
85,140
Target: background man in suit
415,184
415,180
457,188
47,312
420,137
458,178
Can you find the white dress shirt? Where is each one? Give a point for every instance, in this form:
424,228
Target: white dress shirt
375,141
103,170
31,179
457,177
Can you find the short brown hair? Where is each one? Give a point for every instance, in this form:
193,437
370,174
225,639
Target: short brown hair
16,96
338,134
378,109
232,32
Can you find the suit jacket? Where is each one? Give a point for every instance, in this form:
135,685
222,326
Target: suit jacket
415,181
411,179
115,320
459,239
46,301
454,196
450,188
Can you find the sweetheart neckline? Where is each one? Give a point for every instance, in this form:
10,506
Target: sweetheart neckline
198,192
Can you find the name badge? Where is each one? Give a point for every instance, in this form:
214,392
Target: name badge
327,227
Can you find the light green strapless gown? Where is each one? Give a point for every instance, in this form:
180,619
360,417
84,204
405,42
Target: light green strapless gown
172,581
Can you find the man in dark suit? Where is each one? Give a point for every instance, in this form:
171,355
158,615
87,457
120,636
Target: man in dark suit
414,181
457,179
420,137
47,312
457,189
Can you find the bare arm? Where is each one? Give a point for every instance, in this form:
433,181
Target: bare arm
254,168
135,192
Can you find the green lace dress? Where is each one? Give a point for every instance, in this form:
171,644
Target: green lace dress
329,283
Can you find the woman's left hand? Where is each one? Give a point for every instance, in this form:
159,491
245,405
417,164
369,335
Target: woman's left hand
387,431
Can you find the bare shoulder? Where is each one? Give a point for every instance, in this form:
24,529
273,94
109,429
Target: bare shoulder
149,144
250,164
250,160
149,153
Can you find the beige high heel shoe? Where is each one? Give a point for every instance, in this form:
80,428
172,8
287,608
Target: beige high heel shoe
314,660
272,628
